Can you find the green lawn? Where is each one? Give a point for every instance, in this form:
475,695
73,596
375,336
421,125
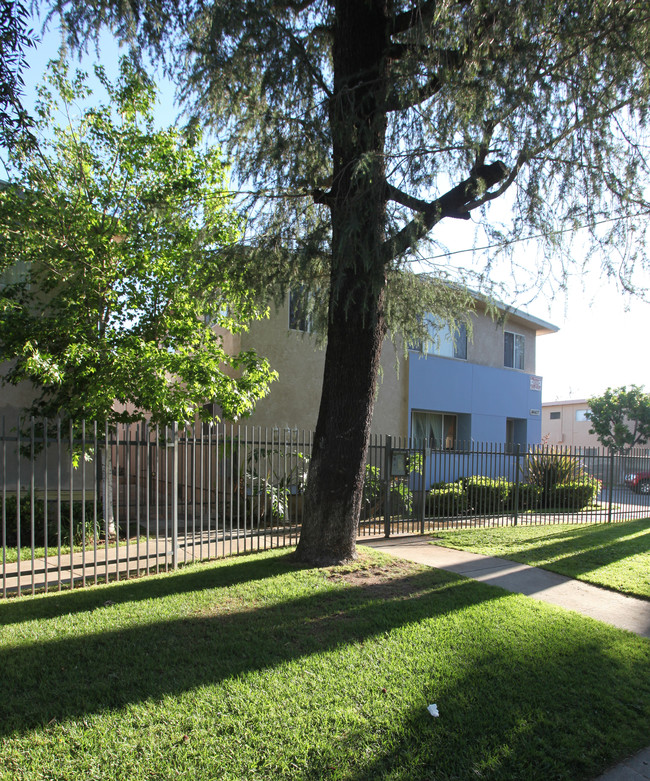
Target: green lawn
255,668
615,555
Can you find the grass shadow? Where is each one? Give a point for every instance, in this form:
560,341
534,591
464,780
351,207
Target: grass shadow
71,677
188,579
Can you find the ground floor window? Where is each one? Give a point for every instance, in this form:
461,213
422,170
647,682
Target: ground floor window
436,430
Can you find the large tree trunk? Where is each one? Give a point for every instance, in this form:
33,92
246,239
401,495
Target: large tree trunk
356,325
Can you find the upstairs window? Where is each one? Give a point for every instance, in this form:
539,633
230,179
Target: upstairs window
513,350
448,341
555,416
300,318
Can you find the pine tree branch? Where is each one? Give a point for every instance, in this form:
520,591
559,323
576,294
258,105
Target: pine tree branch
296,45
396,102
451,204
407,20
448,59
395,194
296,6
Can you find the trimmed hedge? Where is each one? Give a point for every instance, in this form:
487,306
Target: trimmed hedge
573,495
484,495
448,500
530,497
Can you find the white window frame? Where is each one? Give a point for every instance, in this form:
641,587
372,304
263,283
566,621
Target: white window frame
518,358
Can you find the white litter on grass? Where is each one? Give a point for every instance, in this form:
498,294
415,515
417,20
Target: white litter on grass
433,709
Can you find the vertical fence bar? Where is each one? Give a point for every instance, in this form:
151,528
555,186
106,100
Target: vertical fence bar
146,444
185,491
4,508
611,486
107,498
118,517
174,496
71,502
423,489
18,514
96,484
83,502
388,446
137,445
517,482
32,499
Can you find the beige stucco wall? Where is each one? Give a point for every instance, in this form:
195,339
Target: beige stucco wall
14,398
567,430
294,397
485,347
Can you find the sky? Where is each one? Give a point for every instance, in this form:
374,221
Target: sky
601,340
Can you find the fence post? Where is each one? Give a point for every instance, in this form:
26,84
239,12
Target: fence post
423,489
174,497
611,485
517,471
388,456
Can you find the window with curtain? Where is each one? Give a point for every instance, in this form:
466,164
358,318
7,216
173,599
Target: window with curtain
449,341
436,430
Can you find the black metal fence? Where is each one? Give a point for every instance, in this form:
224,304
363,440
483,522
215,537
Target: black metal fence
80,505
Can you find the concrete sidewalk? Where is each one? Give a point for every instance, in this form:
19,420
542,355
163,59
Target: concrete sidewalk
599,603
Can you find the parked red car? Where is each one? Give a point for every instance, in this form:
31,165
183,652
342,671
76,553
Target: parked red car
639,482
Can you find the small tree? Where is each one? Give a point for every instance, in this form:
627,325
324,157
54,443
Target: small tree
115,290
112,236
620,418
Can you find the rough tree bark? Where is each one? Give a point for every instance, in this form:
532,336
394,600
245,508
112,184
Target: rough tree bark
356,326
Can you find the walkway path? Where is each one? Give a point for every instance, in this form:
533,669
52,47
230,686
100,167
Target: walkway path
607,606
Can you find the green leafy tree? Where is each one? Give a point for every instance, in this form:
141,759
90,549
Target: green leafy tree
115,287
362,126
15,38
620,418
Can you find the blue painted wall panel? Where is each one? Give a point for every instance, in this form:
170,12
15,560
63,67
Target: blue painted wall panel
488,394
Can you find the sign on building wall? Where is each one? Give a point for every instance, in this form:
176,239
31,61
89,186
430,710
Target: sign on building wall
535,382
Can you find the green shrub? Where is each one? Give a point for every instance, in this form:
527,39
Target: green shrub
529,497
573,495
447,500
11,507
547,467
487,495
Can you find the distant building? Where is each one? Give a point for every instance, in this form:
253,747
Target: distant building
566,423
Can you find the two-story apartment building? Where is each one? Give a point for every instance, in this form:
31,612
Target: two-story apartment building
479,386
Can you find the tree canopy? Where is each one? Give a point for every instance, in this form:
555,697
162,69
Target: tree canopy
620,418
15,38
115,288
360,127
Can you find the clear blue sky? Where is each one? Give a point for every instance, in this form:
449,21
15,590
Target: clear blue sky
602,336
